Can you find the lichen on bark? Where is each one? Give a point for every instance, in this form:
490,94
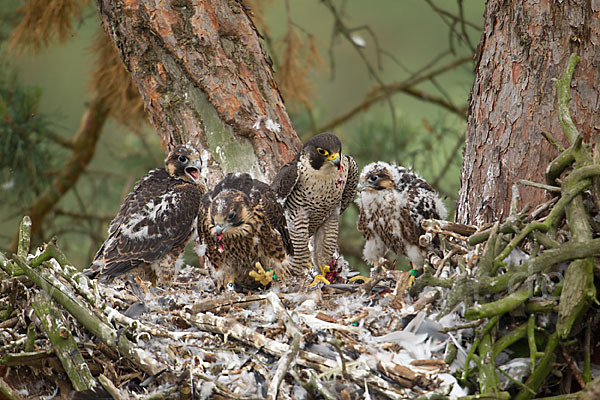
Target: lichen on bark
205,78
524,46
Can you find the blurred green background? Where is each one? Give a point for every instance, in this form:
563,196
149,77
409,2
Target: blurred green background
410,35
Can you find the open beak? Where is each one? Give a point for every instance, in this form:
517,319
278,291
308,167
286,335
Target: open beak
193,170
335,160
219,229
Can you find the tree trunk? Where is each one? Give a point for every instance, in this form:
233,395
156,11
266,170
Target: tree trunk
205,78
524,46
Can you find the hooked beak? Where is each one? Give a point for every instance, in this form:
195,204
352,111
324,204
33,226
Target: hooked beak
193,170
335,160
219,229
361,187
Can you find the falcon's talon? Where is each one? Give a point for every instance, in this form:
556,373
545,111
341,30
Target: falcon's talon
365,279
319,278
413,276
319,275
264,277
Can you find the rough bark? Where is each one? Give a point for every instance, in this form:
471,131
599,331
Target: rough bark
204,78
524,46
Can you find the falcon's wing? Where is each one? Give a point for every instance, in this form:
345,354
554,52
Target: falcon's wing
156,218
137,198
204,239
203,213
362,225
422,197
132,203
286,179
351,183
273,210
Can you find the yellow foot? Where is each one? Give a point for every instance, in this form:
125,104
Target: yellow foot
319,278
262,276
364,279
411,279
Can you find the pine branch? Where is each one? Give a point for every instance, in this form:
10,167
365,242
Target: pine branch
44,279
84,146
381,92
285,361
63,343
341,27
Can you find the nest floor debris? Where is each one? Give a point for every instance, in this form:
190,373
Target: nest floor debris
509,311
135,341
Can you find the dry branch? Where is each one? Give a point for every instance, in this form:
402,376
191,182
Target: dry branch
45,280
229,327
286,360
63,342
25,358
84,146
380,93
351,343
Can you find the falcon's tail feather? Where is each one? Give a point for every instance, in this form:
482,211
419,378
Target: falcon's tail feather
93,270
112,270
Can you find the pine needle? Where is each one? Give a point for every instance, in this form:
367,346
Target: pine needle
113,84
299,58
43,20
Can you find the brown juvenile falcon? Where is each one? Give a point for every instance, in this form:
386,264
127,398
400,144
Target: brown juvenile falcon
393,201
155,221
242,227
315,188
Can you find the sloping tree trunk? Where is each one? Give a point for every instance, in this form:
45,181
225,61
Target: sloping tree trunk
204,78
525,44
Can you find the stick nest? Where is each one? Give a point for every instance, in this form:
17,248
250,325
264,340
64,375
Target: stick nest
509,311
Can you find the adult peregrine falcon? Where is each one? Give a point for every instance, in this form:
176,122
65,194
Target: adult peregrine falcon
241,225
155,221
315,188
393,201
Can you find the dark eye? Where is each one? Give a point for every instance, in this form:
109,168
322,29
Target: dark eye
373,178
231,216
183,159
322,152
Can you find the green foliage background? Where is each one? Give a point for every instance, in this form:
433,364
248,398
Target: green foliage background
52,85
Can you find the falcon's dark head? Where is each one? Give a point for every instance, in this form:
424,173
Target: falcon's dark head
184,162
322,150
228,212
376,176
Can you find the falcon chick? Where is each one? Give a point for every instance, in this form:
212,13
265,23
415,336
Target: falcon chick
242,227
155,221
393,200
315,188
